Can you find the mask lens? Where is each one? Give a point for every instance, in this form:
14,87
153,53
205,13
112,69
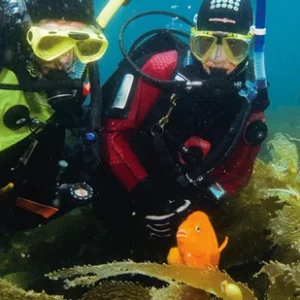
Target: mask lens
51,47
204,44
238,48
89,48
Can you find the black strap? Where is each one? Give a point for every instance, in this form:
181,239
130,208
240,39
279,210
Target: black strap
163,153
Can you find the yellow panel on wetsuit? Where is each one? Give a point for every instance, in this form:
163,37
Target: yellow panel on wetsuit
35,102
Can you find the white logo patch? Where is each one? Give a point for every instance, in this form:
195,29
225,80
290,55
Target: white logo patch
230,4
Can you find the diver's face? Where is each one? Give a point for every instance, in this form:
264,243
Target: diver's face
65,61
218,59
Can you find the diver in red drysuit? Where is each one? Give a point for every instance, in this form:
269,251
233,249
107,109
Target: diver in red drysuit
155,139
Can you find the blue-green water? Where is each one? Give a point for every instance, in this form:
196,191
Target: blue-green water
282,42
79,238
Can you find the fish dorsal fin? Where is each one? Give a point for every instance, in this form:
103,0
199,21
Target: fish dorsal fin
215,256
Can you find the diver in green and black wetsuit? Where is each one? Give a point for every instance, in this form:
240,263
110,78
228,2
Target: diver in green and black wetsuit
48,68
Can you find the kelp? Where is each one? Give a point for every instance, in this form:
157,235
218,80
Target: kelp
179,292
255,202
208,279
284,280
264,214
9,291
271,204
285,225
118,290
279,177
245,218
134,291
285,158
276,185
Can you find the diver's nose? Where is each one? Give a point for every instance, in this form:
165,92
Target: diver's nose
219,55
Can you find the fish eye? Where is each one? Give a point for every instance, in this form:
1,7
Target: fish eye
198,228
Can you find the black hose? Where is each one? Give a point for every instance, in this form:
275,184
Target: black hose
91,139
152,32
164,83
42,85
227,144
223,149
29,84
95,108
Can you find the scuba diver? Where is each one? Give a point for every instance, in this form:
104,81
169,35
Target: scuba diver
185,122
48,68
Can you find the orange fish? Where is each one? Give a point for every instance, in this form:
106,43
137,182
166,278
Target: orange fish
197,244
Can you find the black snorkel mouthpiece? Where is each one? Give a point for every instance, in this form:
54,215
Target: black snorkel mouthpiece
64,100
220,73
218,86
67,107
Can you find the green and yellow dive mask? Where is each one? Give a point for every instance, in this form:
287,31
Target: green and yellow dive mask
236,46
51,44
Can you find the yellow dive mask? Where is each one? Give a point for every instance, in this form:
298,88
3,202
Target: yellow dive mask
51,44
236,46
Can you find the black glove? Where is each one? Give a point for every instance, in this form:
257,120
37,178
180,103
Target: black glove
159,207
164,223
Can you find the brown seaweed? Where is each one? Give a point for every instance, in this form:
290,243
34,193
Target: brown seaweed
284,280
9,291
210,280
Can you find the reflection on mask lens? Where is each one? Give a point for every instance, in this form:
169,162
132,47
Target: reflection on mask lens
204,44
50,45
89,48
237,47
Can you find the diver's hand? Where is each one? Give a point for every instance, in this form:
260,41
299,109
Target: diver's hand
164,223
158,206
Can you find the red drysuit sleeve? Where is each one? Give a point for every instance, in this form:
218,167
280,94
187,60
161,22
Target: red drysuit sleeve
237,170
117,151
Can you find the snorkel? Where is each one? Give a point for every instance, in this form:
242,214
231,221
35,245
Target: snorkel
259,44
262,100
109,11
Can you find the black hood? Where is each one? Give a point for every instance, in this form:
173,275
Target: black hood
236,16
70,10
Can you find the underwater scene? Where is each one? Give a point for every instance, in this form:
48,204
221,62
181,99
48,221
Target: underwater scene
149,150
